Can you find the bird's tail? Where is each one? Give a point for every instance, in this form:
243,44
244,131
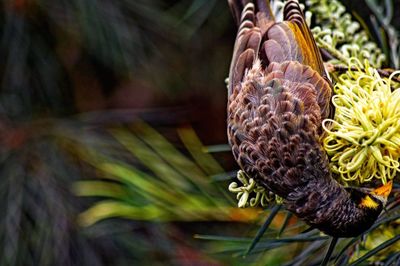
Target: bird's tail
253,17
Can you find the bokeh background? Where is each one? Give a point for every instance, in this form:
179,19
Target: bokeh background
112,129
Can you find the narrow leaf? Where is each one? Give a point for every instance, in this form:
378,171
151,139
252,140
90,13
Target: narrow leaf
265,226
285,223
374,251
195,147
328,255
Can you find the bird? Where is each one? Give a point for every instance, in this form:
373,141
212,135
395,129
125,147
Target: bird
278,95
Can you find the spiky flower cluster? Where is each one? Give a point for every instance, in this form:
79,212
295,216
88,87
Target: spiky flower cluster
341,36
249,193
363,140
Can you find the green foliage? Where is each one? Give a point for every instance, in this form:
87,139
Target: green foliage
311,246
38,215
388,35
50,51
172,188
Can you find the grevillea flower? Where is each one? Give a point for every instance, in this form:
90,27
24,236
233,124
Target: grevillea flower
363,139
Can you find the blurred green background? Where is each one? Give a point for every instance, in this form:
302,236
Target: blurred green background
113,145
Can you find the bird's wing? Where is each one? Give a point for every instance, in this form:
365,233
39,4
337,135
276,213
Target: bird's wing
259,36
291,40
295,20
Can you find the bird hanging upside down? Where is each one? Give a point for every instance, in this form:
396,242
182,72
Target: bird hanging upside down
279,93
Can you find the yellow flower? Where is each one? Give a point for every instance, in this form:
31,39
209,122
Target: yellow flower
363,140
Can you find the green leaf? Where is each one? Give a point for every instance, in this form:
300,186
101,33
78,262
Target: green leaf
217,148
109,209
195,147
285,223
264,228
374,251
95,188
328,255
151,160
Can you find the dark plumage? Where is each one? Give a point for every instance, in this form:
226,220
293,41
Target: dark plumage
278,95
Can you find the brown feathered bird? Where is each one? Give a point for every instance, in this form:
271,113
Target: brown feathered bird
278,95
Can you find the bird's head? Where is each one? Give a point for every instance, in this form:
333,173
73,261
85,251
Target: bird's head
359,212
375,199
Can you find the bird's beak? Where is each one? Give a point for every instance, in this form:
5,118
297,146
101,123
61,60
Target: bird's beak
384,190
